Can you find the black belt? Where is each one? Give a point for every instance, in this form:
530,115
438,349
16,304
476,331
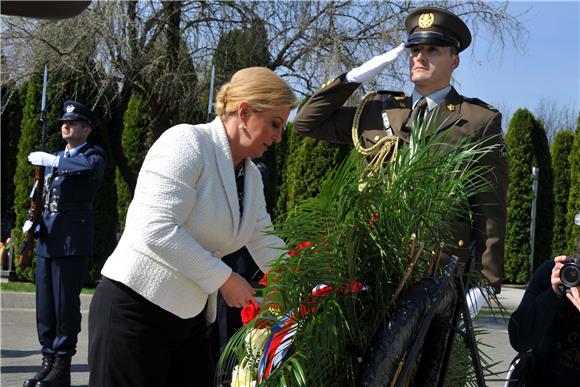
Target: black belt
58,207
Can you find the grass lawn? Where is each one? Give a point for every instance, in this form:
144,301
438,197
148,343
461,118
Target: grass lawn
29,287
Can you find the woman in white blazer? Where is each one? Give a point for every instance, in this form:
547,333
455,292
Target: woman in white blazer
198,197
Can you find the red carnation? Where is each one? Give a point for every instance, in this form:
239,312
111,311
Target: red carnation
250,311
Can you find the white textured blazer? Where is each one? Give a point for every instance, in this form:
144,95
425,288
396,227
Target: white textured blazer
185,217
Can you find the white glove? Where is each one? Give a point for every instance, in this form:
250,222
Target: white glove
475,301
370,69
27,226
43,158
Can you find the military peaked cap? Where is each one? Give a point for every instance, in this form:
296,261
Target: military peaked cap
77,111
437,27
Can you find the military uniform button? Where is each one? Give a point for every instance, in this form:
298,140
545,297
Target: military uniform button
460,243
377,138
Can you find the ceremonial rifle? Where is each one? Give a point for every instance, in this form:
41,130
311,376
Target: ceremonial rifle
27,248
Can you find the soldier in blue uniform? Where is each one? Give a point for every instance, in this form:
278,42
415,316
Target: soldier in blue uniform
65,242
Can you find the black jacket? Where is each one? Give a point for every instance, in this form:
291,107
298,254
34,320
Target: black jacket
549,324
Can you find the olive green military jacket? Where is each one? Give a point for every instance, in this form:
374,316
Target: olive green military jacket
324,117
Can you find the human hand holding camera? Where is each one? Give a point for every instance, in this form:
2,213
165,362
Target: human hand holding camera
565,278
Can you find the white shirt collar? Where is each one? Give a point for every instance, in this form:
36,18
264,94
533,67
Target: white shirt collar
73,152
433,99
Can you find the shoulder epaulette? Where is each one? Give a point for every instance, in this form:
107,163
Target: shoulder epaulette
393,93
95,149
477,101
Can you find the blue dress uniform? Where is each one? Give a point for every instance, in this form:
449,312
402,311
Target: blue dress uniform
65,242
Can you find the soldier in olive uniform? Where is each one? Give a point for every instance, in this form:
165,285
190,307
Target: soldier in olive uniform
436,36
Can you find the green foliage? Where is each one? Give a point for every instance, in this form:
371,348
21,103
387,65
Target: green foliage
302,164
359,228
135,145
545,200
240,48
105,212
528,147
573,231
560,151
30,133
13,98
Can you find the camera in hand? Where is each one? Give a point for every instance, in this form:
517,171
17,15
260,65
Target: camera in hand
570,272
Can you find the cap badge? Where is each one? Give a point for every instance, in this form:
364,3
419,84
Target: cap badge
451,107
70,108
426,20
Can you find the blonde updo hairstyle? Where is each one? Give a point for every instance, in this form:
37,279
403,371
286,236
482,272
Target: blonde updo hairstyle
262,88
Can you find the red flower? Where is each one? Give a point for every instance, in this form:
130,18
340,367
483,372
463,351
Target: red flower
300,245
264,280
304,244
251,310
354,287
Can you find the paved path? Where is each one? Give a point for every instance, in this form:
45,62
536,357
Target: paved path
19,354
496,336
19,357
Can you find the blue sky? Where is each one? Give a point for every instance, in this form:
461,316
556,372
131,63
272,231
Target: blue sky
549,68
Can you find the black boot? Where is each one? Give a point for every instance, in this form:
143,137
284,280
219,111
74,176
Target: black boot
59,375
47,362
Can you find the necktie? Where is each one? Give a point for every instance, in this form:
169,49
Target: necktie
415,114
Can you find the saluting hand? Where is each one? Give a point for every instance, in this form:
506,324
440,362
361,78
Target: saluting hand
236,291
43,158
370,69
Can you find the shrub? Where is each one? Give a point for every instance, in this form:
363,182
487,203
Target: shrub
560,151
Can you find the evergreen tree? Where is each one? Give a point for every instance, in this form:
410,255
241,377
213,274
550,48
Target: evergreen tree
560,150
13,98
527,144
280,181
305,163
545,196
105,210
30,134
135,144
241,48
573,231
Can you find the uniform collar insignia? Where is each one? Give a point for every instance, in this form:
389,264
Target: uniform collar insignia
451,107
